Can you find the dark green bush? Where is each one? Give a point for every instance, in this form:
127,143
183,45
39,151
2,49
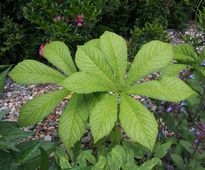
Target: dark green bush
140,36
70,21
170,13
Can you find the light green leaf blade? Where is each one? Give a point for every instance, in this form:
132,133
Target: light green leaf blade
151,57
116,158
172,70
103,117
94,42
33,72
168,89
72,123
138,123
38,108
115,50
86,156
184,52
100,165
3,76
87,82
58,54
148,165
91,59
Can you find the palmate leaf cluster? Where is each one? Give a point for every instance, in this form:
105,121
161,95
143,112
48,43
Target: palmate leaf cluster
101,90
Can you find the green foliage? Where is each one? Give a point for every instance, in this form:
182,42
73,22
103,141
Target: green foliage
201,18
40,107
3,75
72,123
102,64
117,16
11,136
31,71
18,38
149,32
9,43
170,13
16,154
57,20
185,153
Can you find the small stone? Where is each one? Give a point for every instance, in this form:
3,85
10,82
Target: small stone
16,113
47,138
52,123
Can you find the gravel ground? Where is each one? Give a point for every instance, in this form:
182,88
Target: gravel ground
14,95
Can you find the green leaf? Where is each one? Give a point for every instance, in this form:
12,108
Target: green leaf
40,107
184,52
100,165
94,42
30,153
116,158
3,76
44,159
172,70
91,59
72,122
64,164
139,124
58,54
177,159
26,154
162,150
86,156
187,146
59,152
168,89
202,55
115,50
148,165
87,82
91,100
7,161
151,57
103,117
138,149
10,135
34,72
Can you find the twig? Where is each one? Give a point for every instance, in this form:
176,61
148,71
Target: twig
197,145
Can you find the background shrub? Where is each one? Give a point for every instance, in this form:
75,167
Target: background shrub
140,36
36,22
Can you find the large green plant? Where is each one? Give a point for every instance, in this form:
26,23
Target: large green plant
103,67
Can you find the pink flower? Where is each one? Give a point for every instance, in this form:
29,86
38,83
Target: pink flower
79,20
56,18
79,24
41,49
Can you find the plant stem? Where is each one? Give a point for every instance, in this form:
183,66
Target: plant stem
197,9
188,163
200,105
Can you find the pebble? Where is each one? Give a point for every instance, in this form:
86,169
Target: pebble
47,138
